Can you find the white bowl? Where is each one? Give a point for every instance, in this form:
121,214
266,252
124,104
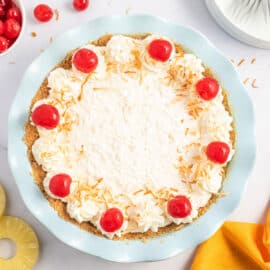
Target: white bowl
247,21
19,4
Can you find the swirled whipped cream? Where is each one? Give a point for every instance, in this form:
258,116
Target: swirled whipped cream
132,135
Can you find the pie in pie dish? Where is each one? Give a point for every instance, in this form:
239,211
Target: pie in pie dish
130,137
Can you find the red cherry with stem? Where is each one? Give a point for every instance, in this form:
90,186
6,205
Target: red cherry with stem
160,50
60,185
43,13
207,88
12,28
3,44
1,28
46,116
14,13
80,5
218,152
112,220
85,60
179,207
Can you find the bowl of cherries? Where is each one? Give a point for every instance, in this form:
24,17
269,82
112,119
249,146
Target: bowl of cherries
12,21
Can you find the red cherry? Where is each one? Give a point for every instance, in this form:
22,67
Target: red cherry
85,60
14,13
43,13
10,41
2,12
46,116
12,28
179,207
218,152
112,220
80,5
3,44
60,185
1,28
207,88
5,4
160,49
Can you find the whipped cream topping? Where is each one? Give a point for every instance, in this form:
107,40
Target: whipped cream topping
119,49
133,139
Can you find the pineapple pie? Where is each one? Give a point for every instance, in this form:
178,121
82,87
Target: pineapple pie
130,137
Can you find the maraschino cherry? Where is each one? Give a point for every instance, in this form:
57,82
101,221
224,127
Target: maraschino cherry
179,207
3,44
2,12
207,88
85,60
43,13
80,5
1,28
14,13
112,220
12,28
160,50
60,185
6,4
46,116
218,152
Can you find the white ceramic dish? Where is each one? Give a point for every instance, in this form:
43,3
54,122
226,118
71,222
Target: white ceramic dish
20,5
166,245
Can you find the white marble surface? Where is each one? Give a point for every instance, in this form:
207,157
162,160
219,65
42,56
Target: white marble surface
53,253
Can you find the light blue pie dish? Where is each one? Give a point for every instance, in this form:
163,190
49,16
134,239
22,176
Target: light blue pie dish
169,244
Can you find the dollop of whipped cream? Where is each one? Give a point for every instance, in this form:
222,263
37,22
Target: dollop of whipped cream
133,141
188,69
120,49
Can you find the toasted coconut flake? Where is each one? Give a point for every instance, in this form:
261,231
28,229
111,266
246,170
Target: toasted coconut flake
180,159
253,60
82,87
197,158
57,14
254,85
99,180
241,62
138,191
193,133
46,155
137,62
246,80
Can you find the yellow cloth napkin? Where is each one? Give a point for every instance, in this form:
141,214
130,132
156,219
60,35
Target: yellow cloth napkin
266,235
236,246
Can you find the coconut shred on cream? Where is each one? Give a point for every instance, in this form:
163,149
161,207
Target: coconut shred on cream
132,135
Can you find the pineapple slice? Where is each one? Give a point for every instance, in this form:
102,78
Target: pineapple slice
26,242
2,201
